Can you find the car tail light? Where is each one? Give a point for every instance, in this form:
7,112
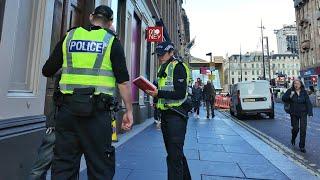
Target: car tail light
238,96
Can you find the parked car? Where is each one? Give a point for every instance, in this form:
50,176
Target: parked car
251,98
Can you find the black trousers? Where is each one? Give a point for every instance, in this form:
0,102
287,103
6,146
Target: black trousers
301,120
44,158
90,136
210,107
174,129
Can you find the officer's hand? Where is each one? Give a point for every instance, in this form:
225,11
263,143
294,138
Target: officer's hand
127,121
152,93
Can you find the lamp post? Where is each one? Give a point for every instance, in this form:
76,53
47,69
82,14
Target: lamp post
268,57
210,54
264,69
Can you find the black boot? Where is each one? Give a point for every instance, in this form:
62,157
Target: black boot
293,141
303,150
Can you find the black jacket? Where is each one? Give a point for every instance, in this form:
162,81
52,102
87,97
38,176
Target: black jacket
209,92
196,94
299,105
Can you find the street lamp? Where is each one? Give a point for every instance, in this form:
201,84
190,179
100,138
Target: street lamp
210,54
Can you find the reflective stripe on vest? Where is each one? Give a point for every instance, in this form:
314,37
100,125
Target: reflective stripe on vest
86,61
166,84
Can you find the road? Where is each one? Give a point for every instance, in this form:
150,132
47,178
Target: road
280,130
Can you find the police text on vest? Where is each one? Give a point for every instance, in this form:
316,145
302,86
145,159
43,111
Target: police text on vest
86,46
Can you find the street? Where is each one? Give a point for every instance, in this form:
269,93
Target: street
280,130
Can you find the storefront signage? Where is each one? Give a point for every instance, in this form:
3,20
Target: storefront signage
155,34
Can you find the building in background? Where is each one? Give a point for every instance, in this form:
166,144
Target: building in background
287,40
308,23
26,96
251,67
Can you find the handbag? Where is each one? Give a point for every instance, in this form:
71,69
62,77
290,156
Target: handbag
286,107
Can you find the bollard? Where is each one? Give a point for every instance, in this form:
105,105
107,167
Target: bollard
114,129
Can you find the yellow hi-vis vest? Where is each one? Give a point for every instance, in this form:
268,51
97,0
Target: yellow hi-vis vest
86,61
166,84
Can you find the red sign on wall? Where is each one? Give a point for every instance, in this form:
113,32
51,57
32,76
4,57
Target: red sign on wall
155,34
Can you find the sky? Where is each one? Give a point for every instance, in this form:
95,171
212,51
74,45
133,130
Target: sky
221,26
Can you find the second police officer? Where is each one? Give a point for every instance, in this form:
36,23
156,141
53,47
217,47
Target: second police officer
173,76
92,62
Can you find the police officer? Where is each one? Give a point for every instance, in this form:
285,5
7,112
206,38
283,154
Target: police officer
173,77
92,62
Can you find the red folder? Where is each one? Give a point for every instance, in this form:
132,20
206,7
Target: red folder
143,84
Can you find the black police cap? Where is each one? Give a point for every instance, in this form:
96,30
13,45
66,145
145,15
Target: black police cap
164,47
104,11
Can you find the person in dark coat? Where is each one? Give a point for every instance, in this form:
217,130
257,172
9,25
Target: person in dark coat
196,98
209,95
300,108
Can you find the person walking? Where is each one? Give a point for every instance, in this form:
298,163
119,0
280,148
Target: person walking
173,76
209,95
92,62
300,107
196,98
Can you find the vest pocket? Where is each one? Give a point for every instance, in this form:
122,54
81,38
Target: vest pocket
82,102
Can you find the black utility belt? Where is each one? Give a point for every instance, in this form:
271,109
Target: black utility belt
83,102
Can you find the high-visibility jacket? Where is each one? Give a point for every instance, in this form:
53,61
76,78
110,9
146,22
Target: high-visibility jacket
166,84
86,61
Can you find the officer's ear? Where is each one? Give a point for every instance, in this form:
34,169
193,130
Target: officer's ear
91,18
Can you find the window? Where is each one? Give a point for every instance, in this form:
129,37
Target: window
239,73
232,73
232,80
239,79
257,65
257,72
252,72
283,66
245,73
21,78
252,65
2,4
245,79
245,65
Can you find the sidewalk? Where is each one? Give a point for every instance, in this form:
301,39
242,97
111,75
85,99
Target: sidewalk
215,149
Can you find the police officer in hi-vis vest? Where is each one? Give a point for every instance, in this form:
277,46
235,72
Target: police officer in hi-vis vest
173,77
92,62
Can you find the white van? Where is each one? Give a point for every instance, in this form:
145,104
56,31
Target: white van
251,98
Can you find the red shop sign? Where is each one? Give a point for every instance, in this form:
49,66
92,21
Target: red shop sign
155,34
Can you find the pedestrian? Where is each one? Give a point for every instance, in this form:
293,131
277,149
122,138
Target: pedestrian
196,98
209,95
45,152
92,61
300,107
172,93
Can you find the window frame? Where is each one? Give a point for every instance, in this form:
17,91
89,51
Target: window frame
2,9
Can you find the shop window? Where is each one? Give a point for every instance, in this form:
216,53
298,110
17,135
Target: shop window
2,4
